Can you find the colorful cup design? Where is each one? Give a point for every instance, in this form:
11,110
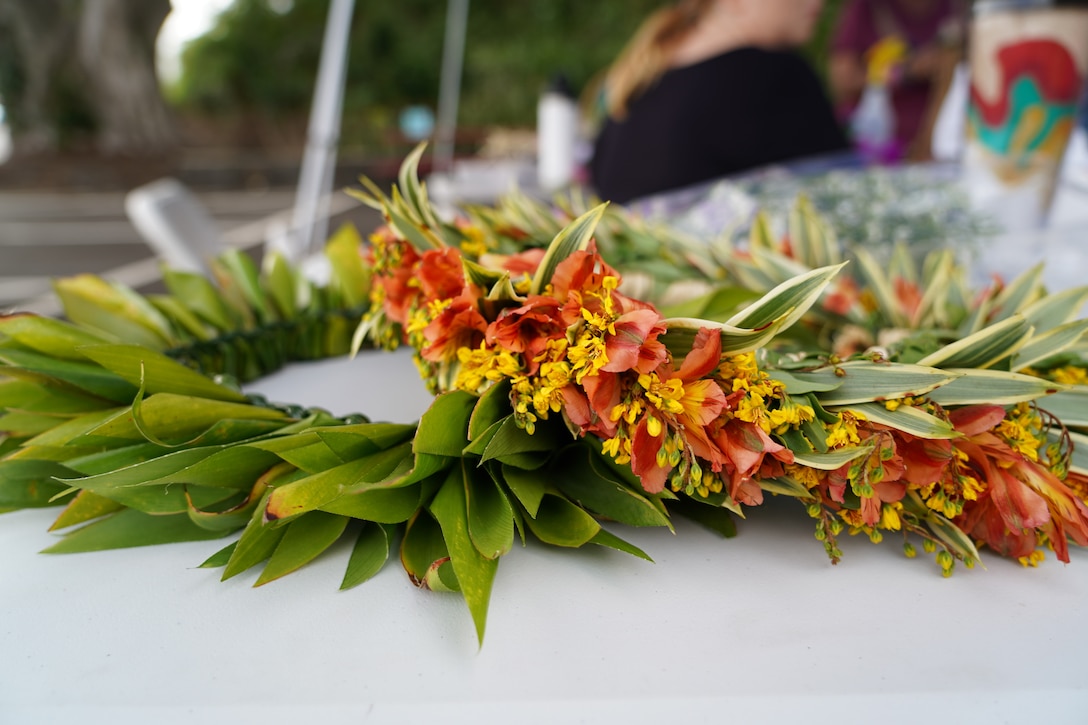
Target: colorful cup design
1027,71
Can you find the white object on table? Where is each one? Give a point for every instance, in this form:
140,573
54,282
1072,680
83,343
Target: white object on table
760,628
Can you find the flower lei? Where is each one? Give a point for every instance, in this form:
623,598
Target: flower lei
716,427
563,401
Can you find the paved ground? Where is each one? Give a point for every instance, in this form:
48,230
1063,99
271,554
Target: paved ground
46,235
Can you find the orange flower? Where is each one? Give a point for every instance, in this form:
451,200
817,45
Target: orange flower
687,401
395,283
527,329
745,446
523,262
458,325
1021,496
635,344
441,275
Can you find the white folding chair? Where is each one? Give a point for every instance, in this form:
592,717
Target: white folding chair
175,224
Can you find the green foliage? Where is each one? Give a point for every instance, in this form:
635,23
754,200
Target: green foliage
258,59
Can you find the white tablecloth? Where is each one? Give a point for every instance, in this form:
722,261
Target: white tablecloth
760,628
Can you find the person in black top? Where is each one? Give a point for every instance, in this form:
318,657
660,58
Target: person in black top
708,88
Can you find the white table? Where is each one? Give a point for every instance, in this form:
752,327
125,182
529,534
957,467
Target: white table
760,628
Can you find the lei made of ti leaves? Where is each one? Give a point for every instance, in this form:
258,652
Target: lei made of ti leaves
893,401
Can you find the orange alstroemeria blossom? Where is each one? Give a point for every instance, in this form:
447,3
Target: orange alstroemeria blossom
635,345
441,275
527,329
458,325
397,283
696,403
1021,496
746,446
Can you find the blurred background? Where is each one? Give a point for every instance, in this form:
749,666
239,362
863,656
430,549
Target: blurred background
100,96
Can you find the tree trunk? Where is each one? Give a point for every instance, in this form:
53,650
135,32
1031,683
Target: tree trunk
39,32
117,53
84,71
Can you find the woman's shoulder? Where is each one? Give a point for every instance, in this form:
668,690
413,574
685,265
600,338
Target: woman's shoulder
747,59
743,67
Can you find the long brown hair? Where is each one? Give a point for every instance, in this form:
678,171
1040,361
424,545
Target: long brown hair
646,55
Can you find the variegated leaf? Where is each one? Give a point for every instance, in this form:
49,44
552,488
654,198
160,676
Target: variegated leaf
997,387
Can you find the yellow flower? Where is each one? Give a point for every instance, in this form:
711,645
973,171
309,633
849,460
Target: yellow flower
843,432
790,415
665,395
889,516
587,355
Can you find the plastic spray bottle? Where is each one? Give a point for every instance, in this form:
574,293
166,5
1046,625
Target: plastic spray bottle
873,122
557,135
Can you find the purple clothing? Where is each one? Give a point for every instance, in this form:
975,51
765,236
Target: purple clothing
865,22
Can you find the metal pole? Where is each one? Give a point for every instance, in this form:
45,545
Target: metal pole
449,92
310,220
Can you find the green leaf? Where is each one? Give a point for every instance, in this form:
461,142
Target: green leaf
258,541
227,518
715,518
801,384
1021,292
789,300
760,322
182,418
43,397
350,275
863,381
1056,309
720,304
992,386
785,486
526,485
422,548
881,289
493,406
85,376
199,295
319,489
490,515
306,538
159,373
832,459
510,442
983,348
179,315
1079,460
572,238
369,555
113,310
606,538
220,558
907,419
1069,406
578,473
443,429
236,267
382,505
562,523
475,572
409,231
31,484
1050,343
281,283
85,506
352,441
48,336
131,528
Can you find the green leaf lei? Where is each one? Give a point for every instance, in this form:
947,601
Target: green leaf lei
130,414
